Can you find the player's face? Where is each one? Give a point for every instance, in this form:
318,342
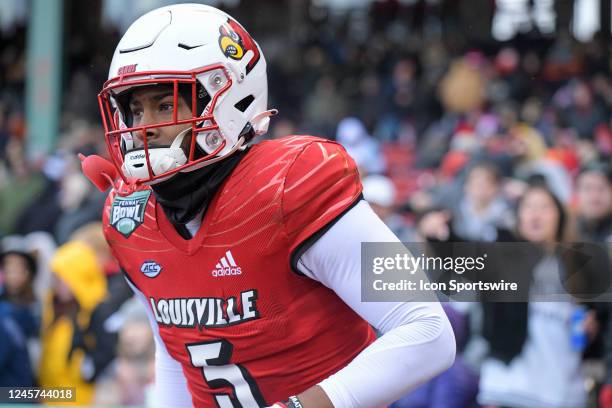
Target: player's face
153,105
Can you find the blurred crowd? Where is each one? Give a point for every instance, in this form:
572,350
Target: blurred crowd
456,141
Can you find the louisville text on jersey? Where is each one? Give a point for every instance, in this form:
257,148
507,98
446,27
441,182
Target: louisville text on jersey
205,312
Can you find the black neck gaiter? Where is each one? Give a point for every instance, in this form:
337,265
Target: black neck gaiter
186,194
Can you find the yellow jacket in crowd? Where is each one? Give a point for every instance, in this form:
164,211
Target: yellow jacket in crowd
78,266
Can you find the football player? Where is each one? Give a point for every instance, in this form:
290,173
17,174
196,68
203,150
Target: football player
246,256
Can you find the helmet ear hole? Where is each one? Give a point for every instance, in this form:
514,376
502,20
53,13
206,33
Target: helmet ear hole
243,104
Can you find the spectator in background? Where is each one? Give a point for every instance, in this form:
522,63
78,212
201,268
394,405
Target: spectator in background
41,246
369,90
21,186
324,107
43,211
462,90
132,372
481,211
584,113
101,329
18,318
79,201
380,193
79,286
533,115
532,360
594,196
18,272
476,212
529,151
397,100
364,149
594,210
16,326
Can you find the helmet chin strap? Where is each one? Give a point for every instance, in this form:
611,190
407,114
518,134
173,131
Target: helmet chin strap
261,121
260,124
238,146
164,159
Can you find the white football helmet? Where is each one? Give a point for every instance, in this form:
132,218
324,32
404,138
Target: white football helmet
207,57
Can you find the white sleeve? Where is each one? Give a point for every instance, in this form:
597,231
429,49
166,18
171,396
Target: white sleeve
170,383
417,341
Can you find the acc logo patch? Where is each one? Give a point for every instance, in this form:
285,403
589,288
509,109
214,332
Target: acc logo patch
235,42
150,269
127,213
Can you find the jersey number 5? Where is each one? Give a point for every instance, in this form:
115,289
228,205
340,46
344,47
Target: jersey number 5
214,359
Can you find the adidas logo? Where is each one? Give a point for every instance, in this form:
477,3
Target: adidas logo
226,266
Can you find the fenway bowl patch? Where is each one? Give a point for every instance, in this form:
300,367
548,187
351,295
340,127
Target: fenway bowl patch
127,213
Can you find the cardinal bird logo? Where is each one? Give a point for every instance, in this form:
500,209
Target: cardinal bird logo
235,42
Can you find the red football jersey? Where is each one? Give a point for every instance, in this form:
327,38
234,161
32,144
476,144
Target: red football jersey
247,329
